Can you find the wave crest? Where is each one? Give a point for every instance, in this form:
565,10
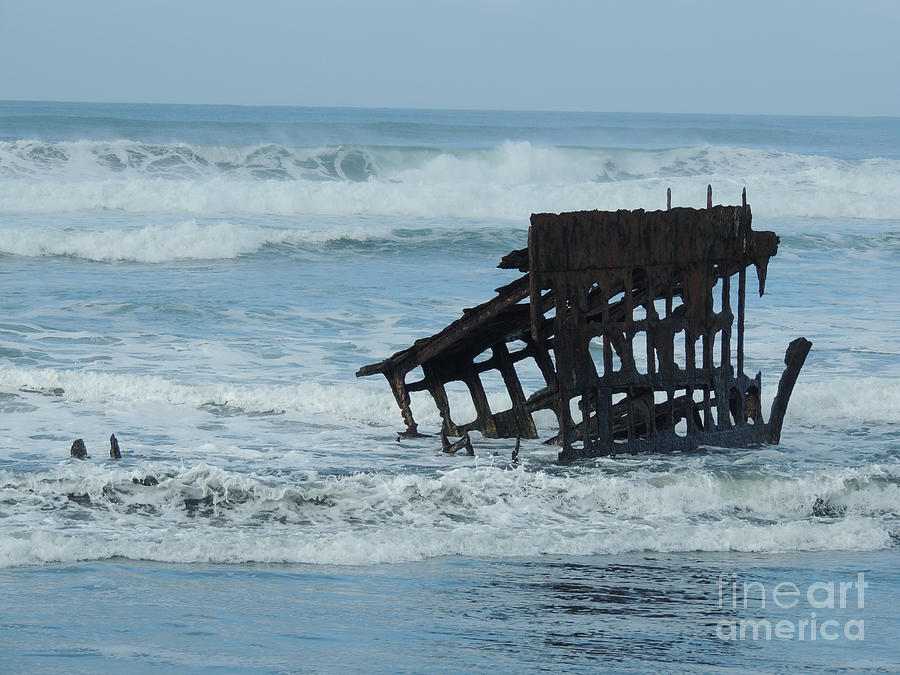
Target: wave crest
372,518
179,161
511,180
186,240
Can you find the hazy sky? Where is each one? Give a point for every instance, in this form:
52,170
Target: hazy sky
717,56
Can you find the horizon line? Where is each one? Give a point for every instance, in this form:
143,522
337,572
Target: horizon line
571,111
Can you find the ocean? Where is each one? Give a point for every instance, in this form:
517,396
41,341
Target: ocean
205,281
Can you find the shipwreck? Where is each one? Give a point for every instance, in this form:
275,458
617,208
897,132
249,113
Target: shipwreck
629,317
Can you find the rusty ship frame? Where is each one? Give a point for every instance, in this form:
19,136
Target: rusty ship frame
635,321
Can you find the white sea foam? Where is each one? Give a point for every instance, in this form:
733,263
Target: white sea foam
855,400
207,514
510,181
350,402
840,401
186,240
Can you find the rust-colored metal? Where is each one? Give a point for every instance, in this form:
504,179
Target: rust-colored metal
628,316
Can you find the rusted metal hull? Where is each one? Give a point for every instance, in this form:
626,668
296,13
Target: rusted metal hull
629,316
753,431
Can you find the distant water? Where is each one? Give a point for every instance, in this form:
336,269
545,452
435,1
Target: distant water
204,281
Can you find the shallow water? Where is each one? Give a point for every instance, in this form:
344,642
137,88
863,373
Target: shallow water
626,613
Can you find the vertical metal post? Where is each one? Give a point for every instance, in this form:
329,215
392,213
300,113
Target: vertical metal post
726,309
482,407
726,376
524,421
690,358
708,380
742,289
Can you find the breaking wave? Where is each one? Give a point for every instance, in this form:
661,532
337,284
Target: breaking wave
350,403
83,159
509,181
204,513
186,240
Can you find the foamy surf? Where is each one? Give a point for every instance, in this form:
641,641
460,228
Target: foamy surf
508,181
365,403
186,240
840,401
205,513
